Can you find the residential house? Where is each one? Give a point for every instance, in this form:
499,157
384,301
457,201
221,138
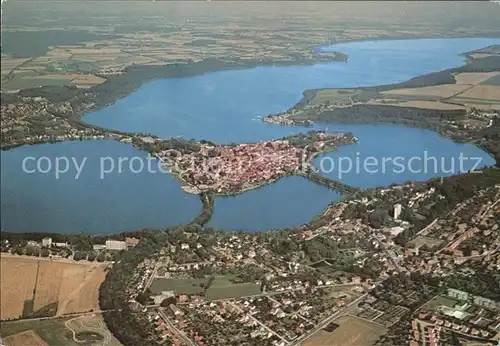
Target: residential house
115,245
47,242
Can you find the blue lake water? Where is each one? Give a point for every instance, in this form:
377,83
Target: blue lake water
223,106
387,154
286,203
121,201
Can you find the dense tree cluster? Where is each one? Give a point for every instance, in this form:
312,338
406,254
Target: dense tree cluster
208,203
479,281
128,326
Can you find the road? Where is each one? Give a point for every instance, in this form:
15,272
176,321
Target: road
426,228
76,314
151,278
174,329
488,209
326,322
259,322
392,259
102,330
480,218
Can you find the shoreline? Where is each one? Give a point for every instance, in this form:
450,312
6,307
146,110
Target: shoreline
409,37
303,143
104,100
85,101
143,74
425,122
226,65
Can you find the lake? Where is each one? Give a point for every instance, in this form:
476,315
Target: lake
121,201
223,107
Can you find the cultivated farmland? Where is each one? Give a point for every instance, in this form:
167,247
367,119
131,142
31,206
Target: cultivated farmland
27,338
446,90
482,92
17,284
493,81
41,287
85,330
474,77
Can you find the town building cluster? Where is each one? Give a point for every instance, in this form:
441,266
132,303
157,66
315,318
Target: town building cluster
236,168
284,119
279,289
456,311
48,248
38,120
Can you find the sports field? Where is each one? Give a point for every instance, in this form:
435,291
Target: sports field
351,332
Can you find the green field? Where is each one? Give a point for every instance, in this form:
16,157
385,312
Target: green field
495,80
339,96
179,286
52,331
222,288
495,49
439,301
26,82
475,101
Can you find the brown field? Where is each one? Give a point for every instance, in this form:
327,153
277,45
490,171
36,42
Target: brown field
17,282
72,286
55,76
88,294
8,64
87,81
419,104
474,78
94,51
482,92
60,54
351,332
91,79
80,80
27,338
481,55
33,67
48,284
429,105
445,90
490,107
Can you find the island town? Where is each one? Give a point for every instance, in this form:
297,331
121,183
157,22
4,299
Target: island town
237,168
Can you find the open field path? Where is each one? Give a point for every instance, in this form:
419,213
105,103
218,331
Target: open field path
65,302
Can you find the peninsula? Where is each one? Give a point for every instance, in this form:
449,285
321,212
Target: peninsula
231,169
